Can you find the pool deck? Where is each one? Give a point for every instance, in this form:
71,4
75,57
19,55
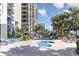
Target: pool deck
29,48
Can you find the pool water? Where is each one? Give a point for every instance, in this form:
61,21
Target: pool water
44,44
12,40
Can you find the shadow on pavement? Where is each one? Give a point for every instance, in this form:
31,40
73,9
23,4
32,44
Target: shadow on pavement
32,51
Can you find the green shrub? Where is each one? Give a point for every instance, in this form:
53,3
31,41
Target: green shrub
77,43
26,37
18,34
9,34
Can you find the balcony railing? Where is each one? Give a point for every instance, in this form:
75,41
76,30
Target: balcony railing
10,16
24,4
10,4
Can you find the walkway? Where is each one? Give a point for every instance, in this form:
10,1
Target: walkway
23,48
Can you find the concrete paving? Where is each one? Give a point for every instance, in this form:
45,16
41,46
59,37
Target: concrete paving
29,48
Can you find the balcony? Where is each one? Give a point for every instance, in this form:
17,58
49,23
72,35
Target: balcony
10,11
25,16
24,20
11,17
24,8
24,12
24,4
10,4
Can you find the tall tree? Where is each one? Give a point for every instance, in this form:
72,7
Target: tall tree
40,29
61,24
75,14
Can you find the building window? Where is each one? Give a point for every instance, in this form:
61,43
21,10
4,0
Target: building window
24,8
24,20
23,16
9,10
24,12
24,4
8,18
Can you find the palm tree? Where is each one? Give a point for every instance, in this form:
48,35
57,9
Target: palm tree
40,29
24,28
37,29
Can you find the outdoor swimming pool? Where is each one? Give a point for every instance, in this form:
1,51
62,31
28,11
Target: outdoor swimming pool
12,40
9,41
44,44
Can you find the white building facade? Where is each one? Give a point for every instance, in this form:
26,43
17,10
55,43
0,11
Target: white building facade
25,15
3,21
6,19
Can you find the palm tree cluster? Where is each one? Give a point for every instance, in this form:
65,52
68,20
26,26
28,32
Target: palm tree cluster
40,29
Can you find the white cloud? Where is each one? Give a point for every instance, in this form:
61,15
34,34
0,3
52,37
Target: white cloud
58,5
73,5
67,11
42,12
49,27
61,5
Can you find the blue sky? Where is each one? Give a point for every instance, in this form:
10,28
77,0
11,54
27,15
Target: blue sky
46,10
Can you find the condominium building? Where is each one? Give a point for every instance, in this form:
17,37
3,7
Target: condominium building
0,19
22,13
28,16
10,17
17,15
3,21
25,15
7,19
